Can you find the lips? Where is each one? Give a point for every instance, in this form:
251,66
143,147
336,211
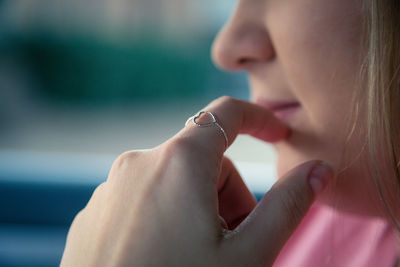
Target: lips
283,110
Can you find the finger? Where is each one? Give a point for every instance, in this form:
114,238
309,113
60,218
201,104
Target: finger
196,153
235,201
262,235
234,116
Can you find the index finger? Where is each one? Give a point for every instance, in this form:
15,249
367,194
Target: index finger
236,116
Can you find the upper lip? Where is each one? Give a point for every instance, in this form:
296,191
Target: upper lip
275,105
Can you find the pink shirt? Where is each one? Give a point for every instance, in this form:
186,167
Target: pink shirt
327,237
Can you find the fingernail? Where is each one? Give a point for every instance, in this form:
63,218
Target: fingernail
320,176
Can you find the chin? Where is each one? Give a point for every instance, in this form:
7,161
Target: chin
288,158
352,191
285,164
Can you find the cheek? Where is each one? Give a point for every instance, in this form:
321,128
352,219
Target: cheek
321,65
320,57
320,54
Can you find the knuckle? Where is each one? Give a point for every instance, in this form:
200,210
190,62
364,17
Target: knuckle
97,196
124,165
227,100
182,148
184,155
126,159
79,216
78,220
99,190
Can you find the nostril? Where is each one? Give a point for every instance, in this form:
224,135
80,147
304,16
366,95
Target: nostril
242,61
245,60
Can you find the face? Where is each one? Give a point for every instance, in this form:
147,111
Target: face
302,60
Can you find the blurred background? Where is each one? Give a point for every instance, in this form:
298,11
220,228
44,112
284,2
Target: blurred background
82,81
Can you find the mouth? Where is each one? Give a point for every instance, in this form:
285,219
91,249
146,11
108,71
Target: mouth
283,110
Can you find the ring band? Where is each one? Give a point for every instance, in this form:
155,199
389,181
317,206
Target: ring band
207,124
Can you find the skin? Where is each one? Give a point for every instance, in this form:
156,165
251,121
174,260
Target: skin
179,203
307,51
182,203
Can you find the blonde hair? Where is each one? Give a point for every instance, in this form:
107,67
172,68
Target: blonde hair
382,73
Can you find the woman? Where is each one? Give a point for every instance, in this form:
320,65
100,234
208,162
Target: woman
183,203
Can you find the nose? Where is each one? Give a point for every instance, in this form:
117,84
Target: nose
243,41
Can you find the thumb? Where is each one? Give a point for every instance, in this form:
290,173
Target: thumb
259,239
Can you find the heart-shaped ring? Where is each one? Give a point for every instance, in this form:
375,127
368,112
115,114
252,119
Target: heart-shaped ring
196,117
207,124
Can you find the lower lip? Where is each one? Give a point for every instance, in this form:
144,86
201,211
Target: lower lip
285,114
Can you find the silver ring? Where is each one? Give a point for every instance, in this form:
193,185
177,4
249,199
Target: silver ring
207,124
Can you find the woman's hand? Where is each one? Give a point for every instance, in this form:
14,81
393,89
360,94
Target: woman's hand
179,203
